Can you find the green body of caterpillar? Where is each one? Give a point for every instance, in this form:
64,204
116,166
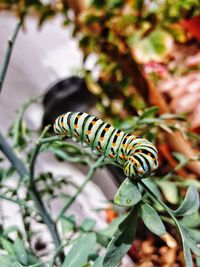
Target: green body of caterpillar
137,156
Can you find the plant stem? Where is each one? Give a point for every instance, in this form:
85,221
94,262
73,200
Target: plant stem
8,55
88,178
16,201
50,139
35,154
19,119
15,161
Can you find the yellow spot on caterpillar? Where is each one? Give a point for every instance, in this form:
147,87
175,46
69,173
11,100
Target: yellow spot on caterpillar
118,134
112,156
101,138
76,126
88,132
121,156
114,144
93,122
140,151
106,129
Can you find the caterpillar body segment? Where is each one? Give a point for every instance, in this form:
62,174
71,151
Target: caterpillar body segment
137,156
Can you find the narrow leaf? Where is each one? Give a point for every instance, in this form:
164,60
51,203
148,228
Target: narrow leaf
8,246
169,190
187,255
128,194
79,253
98,262
191,221
193,239
122,239
149,112
152,220
87,225
68,224
190,203
112,227
20,251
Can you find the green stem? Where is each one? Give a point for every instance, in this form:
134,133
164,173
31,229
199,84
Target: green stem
18,121
50,139
88,178
34,155
8,55
15,161
16,201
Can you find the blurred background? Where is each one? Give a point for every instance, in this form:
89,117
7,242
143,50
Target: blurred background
135,64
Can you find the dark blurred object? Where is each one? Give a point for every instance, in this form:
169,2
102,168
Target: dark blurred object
70,94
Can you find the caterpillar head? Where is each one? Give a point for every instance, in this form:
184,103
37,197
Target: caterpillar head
140,165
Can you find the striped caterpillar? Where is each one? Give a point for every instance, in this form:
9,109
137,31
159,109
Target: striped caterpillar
137,156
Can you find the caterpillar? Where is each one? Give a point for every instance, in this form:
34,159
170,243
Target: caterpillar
137,156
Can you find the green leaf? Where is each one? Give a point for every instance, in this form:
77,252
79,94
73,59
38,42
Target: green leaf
192,220
80,251
190,203
112,227
7,260
68,223
192,237
128,194
152,186
98,262
87,225
187,255
122,239
8,246
150,112
152,220
20,251
168,116
169,190
198,261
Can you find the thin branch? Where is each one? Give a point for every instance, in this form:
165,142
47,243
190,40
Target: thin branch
11,43
16,201
15,161
88,178
34,155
